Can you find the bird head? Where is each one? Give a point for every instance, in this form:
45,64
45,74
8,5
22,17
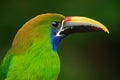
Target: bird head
52,28
74,24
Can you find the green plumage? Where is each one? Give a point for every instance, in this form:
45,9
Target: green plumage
25,67
31,56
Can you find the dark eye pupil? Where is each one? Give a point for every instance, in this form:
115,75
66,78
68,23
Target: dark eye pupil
54,24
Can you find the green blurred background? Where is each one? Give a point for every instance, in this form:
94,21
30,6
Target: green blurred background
86,56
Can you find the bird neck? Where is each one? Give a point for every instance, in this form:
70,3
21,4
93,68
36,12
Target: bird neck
46,60
36,50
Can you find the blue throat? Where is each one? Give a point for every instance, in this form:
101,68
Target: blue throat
54,40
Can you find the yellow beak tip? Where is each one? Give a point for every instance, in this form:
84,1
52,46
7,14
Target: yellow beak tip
107,31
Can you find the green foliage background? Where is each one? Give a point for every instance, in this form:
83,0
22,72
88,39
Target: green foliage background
89,56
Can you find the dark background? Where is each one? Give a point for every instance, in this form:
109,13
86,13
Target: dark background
86,56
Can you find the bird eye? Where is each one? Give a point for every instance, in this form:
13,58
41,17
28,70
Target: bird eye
55,24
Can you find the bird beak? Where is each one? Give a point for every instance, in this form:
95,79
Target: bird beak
80,24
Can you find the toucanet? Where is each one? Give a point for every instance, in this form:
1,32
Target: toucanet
33,54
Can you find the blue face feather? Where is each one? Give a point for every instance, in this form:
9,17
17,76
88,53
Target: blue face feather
54,40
